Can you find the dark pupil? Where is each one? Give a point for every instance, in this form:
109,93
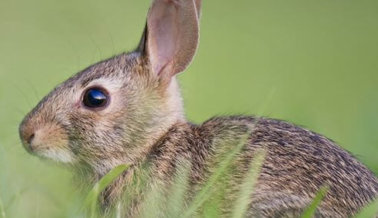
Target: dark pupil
95,98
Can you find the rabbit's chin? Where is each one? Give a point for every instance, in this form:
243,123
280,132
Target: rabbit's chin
57,155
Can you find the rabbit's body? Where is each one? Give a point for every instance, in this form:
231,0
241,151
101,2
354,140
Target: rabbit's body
298,163
128,110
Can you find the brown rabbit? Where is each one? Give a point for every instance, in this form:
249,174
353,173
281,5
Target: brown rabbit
128,110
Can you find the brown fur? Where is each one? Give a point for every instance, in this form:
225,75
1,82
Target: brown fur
144,126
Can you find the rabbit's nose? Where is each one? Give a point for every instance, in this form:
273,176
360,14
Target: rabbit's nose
29,142
30,138
27,135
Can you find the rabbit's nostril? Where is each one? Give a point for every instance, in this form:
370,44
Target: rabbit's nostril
30,138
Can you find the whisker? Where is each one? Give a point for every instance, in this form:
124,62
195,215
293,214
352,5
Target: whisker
75,52
97,48
112,41
35,91
21,91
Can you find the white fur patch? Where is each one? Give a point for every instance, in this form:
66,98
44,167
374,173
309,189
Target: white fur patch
59,155
110,84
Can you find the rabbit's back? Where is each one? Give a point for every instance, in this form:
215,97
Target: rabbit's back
298,163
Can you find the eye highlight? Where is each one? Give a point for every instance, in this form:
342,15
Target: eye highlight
95,98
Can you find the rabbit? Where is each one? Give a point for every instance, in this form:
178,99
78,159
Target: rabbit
128,110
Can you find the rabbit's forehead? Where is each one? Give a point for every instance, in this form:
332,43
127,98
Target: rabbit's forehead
102,77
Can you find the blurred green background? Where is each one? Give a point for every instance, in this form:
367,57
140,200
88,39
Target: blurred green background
313,63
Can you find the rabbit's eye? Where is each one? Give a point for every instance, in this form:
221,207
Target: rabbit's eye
95,98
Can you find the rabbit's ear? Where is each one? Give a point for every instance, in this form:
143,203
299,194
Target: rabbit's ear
171,36
198,7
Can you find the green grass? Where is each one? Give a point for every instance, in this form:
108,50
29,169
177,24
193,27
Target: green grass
243,201
2,209
319,56
206,201
91,199
176,205
311,209
208,190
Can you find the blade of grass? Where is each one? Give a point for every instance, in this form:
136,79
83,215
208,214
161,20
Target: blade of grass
118,210
206,191
153,204
15,198
176,199
371,210
246,190
2,210
92,197
213,207
311,209
159,203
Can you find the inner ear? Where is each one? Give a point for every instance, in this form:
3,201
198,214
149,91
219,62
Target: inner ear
171,35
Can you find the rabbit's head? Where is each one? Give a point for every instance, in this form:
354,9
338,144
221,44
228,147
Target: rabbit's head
111,112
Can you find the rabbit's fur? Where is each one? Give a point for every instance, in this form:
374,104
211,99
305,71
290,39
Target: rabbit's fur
144,123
